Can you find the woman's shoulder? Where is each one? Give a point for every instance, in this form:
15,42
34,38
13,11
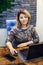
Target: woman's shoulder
16,29
13,28
31,27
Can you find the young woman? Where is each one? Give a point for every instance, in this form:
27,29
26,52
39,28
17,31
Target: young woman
24,33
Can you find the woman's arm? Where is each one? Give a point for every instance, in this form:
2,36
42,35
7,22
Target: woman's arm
10,40
9,45
35,35
12,50
25,44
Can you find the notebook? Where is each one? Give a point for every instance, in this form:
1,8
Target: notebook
33,52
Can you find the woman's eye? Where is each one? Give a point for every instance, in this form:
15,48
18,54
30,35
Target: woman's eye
25,16
21,17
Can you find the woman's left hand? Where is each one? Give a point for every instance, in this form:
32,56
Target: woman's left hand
21,45
25,44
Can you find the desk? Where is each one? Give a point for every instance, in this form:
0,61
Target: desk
4,61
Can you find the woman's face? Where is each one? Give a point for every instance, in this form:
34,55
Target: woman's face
23,19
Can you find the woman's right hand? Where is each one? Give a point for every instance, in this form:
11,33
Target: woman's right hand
13,51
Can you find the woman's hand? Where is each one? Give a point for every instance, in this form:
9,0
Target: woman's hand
25,44
21,45
12,50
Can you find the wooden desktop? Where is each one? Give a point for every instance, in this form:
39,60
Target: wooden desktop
18,61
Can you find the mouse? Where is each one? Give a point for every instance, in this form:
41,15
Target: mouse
15,54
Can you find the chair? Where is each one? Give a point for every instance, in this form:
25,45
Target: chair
9,25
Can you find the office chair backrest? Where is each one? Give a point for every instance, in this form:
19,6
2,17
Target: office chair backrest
10,24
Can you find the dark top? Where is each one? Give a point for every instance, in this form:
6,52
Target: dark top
23,35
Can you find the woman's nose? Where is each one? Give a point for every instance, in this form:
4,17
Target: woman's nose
23,18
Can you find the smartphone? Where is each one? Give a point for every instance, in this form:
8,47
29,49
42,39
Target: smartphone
9,57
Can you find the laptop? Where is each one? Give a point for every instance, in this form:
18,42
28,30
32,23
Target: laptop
35,51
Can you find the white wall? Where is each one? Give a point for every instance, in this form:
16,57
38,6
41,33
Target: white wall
3,35
39,24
